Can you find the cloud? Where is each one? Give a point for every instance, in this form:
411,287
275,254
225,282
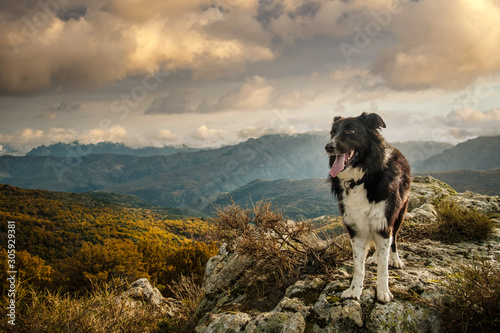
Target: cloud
102,42
115,133
442,44
65,107
255,94
204,133
164,137
175,102
254,132
467,115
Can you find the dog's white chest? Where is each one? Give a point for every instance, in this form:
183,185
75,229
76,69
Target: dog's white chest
366,217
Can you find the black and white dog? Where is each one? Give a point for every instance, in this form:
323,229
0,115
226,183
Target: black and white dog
372,183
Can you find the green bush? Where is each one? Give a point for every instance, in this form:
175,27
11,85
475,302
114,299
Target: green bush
472,301
456,224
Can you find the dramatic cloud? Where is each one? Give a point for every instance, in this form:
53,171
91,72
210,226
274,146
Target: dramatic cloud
445,44
47,45
96,43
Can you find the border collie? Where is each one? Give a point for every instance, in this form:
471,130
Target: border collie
372,183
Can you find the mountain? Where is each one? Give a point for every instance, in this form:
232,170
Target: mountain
77,149
481,153
483,181
195,179
183,179
299,199
420,150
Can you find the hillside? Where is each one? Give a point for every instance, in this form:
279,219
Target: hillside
483,181
71,241
54,224
300,199
481,153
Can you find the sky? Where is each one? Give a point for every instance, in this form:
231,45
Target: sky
212,73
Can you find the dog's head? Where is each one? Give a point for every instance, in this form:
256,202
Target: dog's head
350,138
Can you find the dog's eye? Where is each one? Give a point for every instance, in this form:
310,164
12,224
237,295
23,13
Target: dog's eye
350,131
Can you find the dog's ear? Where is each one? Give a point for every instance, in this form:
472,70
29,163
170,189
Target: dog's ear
372,120
336,118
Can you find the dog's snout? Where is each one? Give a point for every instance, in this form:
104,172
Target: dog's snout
330,147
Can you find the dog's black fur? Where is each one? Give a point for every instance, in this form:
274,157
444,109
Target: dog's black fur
381,170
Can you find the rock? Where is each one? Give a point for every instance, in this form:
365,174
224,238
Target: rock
482,203
277,322
314,303
226,322
143,292
224,268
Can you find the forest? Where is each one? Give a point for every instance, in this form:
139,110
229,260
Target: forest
70,242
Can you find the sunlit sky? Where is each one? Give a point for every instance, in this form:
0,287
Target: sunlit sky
211,73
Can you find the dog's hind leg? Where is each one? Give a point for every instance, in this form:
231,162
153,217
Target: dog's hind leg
383,244
359,250
394,259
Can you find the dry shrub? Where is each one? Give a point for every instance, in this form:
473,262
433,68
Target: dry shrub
283,250
472,301
189,294
456,224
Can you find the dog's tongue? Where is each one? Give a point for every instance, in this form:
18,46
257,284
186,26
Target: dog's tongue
338,165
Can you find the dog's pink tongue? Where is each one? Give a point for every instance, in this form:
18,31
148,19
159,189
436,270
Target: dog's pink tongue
338,165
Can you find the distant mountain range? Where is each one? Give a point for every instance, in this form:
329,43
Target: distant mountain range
77,149
196,179
482,153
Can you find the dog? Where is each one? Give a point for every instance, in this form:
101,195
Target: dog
371,181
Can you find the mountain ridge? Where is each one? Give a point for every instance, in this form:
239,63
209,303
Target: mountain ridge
196,179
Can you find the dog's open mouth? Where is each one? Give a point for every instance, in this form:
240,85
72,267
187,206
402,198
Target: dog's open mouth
342,162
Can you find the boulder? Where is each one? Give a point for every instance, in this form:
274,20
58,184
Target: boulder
142,292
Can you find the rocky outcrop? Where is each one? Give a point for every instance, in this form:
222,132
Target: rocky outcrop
142,292
313,303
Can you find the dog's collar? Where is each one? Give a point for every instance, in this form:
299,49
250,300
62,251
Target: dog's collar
350,184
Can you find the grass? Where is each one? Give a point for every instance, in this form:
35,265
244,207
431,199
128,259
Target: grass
472,299
453,224
456,224
102,310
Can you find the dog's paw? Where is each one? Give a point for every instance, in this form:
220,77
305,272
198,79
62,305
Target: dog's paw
384,295
351,293
395,262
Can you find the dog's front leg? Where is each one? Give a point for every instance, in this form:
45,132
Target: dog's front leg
383,292
359,251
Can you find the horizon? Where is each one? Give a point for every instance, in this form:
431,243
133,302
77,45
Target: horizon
184,146
215,73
